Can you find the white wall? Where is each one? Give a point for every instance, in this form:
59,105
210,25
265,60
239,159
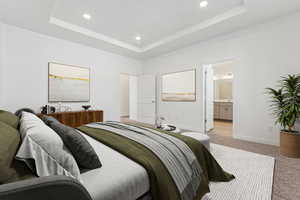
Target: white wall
262,54
26,71
124,98
1,61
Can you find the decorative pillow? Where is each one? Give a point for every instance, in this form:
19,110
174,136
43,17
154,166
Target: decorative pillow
10,169
9,143
9,118
41,144
48,120
82,151
18,113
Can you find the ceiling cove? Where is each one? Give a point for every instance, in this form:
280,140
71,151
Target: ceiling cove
229,14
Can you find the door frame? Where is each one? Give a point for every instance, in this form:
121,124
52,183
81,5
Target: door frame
127,74
204,92
204,73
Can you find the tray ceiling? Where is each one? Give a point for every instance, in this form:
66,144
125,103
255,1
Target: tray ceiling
162,25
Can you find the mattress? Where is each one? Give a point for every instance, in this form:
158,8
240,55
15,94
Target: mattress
118,178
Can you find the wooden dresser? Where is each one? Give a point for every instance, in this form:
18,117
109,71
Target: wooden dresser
77,118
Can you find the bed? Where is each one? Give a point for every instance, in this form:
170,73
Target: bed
120,176
137,162
130,170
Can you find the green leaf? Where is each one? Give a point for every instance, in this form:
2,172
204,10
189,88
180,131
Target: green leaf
285,101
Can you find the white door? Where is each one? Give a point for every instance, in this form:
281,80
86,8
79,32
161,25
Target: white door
147,99
209,97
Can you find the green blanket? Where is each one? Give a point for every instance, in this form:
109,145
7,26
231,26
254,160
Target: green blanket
162,186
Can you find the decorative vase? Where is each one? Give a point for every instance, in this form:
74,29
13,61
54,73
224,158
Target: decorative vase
86,107
290,144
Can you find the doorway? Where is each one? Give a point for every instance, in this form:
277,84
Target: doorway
138,99
128,97
218,98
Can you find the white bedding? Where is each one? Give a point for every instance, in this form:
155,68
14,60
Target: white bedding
118,178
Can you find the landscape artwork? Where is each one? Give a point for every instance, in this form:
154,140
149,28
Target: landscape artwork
179,86
68,83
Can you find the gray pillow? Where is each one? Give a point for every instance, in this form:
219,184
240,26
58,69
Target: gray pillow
48,120
82,151
41,144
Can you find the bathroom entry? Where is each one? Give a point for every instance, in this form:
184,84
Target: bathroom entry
218,98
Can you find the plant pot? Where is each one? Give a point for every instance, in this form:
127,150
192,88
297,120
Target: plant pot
290,144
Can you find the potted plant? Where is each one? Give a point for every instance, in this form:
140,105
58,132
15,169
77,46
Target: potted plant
286,108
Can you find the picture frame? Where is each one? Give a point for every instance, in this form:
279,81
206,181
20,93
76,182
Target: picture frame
68,83
179,86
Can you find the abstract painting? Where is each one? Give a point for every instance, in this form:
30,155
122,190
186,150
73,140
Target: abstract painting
179,86
68,83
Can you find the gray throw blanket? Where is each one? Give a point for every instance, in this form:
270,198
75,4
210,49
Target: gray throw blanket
175,154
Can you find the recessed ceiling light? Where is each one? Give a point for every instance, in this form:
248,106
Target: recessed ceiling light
86,16
203,4
138,38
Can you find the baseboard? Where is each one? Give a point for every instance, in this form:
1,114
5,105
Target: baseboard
256,140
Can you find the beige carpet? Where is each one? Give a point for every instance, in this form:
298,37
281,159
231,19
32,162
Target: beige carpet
254,175
287,170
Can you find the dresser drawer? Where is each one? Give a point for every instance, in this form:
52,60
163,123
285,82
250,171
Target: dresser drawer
78,118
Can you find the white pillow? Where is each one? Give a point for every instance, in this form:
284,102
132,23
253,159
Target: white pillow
46,148
29,121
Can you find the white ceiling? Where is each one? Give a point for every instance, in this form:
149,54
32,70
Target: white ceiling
164,25
153,20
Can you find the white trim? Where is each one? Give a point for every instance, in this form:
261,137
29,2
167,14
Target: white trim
204,71
255,139
233,60
92,34
236,11
201,26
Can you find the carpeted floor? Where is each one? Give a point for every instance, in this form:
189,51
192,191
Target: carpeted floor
253,172
287,170
286,184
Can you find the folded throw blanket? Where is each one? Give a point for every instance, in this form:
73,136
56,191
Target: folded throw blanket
175,154
179,167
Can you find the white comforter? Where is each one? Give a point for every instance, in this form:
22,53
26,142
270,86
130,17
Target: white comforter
118,178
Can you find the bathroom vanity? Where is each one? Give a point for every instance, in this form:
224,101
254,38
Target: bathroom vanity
223,110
